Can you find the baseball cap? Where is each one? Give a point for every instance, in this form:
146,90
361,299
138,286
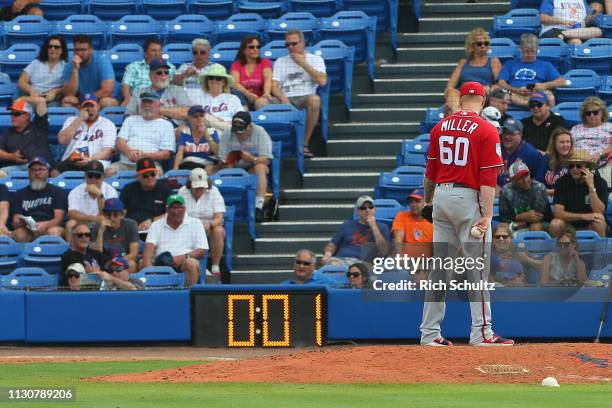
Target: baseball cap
175,198
149,96
113,204
195,109
198,178
145,165
158,63
518,170
94,167
491,113
240,122
417,193
472,88
539,97
119,263
89,98
20,105
76,267
39,160
512,125
499,93
362,200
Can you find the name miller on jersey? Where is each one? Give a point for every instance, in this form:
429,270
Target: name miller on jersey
462,125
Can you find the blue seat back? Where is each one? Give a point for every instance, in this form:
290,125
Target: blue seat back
503,48
160,277
397,184
112,9
213,9
267,9
228,223
303,21
84,24
121,55
432,117
555,51
353,28
319,8
339,60
239,25
178,176
186,27
335,272
517,22
10,253
28,29
605,90
114,113
238,189
60,9
580,84
177,53
26,278
569,111
275,169
8,92
595,54
45,252
119,183
134,29
164,9
536,243
274,50
409,148
224,53
14,59
16,184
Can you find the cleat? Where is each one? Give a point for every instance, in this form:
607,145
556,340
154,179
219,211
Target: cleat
439,342
496,341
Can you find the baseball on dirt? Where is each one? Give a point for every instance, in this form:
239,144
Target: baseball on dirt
476,232
550,382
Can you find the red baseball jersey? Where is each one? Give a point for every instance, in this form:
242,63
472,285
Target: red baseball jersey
461,147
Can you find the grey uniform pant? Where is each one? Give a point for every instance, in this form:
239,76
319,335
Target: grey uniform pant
456,209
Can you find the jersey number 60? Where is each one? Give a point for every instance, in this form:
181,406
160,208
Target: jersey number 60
460,154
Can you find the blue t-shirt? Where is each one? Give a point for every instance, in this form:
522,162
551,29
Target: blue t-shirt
352,236
200,150
505,269
528,155
93,74
40,204
518,73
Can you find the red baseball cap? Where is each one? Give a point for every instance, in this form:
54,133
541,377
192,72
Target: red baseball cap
473,88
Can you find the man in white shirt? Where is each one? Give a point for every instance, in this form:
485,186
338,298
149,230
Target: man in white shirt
295,79
176,240
89,137
145,135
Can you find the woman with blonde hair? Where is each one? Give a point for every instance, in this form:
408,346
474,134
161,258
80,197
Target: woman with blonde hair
564,268
478,66
594,134
560,146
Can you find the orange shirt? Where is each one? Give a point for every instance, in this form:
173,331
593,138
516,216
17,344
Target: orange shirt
417,232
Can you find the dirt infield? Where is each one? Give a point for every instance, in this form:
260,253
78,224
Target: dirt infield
568,362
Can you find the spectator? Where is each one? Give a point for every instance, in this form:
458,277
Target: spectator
523,202
594,134
118,277
500,98
567,20
146,135
39,208
252,75
357,275
412,234
85,202
25,140
89,73
73,276
505,267
559,148
253,145
174,101
539,126
181,236
189,72
600,6
581,197
295,80
5,201
136,74
525,75
119,234
144,198
205,203
197,147
20,8
351,242
564,268
303,269
43,76
219,104
514,148
80,252
89,137
478,66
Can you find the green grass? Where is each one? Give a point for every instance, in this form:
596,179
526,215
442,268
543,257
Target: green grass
133,395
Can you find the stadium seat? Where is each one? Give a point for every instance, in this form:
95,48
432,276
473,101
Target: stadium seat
595,54
213,9
238,189
385,11
386,210
224,53
27,29
177,53
266,9
536,244
186,27
274,50
68,180
57,117
518,114
115,114
423,137
160,277
14,59
228,223
16,184
569,111
555,51
112,9
411,147
516,23
164,9
134,29
8,92
275,169
580,84
324,93
318,8
61,9
353,28
339,60
591,248
606,25
605,91
603,275
121,55
503,48
10,253
119,183
285,124
84,24
27,278
334,272
398,183
304,21
177,178
20,175
45,252
432,117
240,25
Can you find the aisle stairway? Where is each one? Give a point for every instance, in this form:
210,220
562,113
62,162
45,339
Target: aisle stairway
363,142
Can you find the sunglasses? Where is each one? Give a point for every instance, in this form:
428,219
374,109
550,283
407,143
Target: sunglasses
118,269
366,207
536,105
53,46
81,49
305,263
83,234
353,274
151,174
593,112
216,78
164,72
17,114
253,47
564,244
292,44
577,166
73,275
199,52
502,236
482,43
91,175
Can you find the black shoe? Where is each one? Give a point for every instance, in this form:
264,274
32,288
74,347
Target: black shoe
259,215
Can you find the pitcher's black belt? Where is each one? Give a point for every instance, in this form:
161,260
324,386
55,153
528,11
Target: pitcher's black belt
461,185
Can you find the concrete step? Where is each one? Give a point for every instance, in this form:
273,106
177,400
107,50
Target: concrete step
298,212
409,85
454,23
407,69
349,163
479,9
437,55
377,146
297,228
404,99
390,112
372,130
325,195
290,244
432,38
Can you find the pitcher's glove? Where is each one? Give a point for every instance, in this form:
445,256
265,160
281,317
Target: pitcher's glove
427,213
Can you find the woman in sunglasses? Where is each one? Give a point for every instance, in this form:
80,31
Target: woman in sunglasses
505,266
564,267
560,146
594,134
188,73
252,75
357,275
478,66
43,76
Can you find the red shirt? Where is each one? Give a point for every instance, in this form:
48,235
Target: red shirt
464,148
254,82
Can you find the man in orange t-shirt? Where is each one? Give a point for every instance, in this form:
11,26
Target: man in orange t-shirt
412,234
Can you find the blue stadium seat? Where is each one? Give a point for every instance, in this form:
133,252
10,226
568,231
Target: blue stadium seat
339,60
503,48
324,93
318,8
423,137
119,183
336,273
239,25
115,114
45,252
66,183
595,54
580,84
57,117
353,28
385,12
8,92
19,175
518,114
84,24
275,169
179,177
304,21
274,50
224,53
432,117
112,9
228,223
134,29
186,27
177,53
605,90
14,59
517,22
603,275
16,184
536,244
570,112
164,9
555,51
10,253
5,118
28,29
61,9
267,9
285,124
160,277
213,9
397,184
29,278
121,55
606,25
411,147
591,247
238,189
